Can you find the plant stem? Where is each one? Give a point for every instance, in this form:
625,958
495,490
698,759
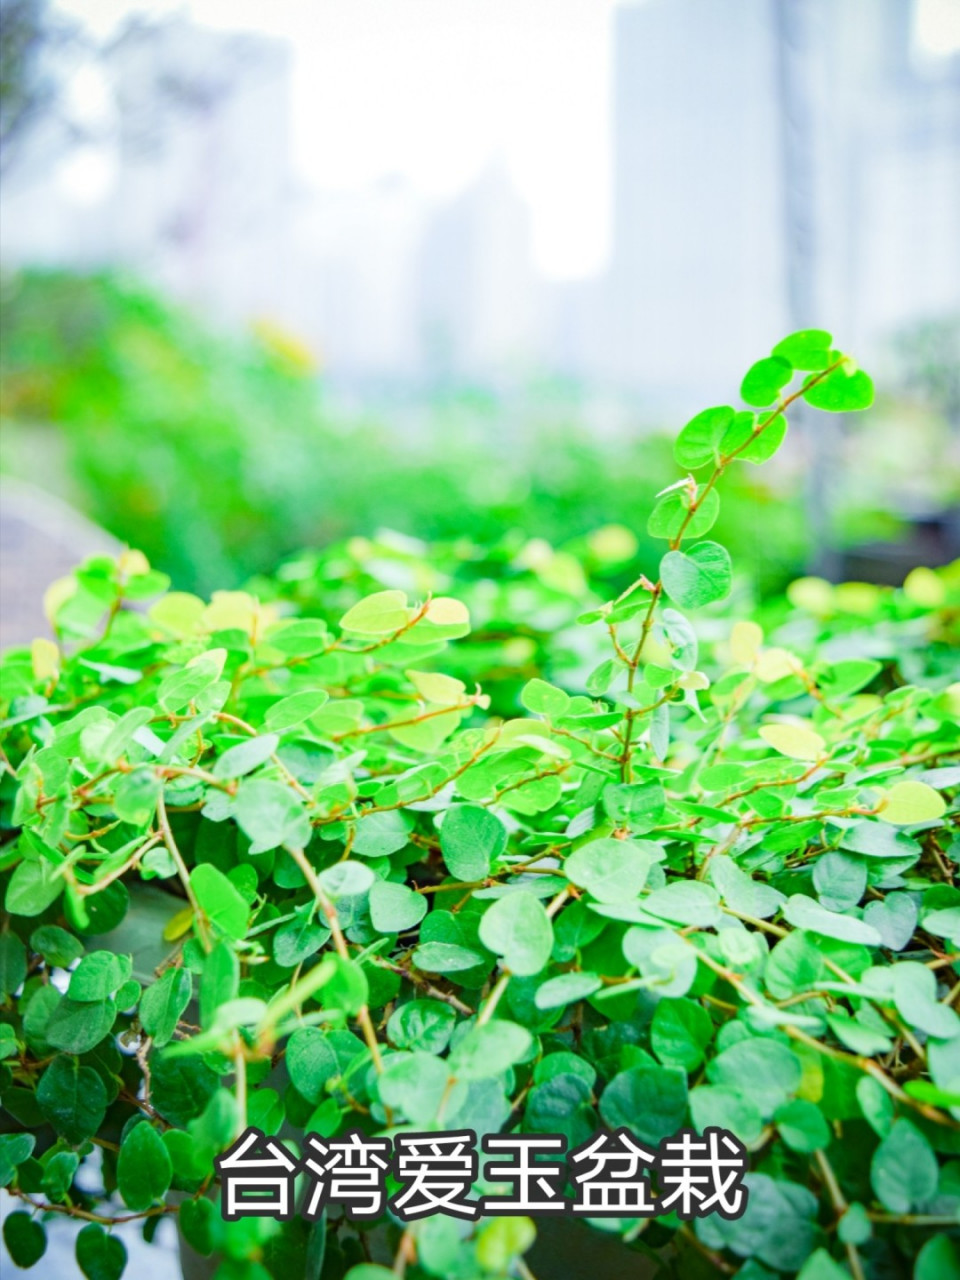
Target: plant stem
164,823
839,1201
340,943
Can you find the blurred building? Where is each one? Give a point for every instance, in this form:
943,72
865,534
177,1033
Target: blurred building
203,187
696,279
777,163
183,175
353,296
478,294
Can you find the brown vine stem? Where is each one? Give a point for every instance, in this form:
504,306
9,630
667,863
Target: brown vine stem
395,635
866,1065
240,1083
839,1201
84,890
656,591
71,1211
388,725
164,823
490,1008
425,985
716,1259
406,1253
485,746
915,1219
500,986
340,943
226,718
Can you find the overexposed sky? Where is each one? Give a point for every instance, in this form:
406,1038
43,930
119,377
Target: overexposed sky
434,90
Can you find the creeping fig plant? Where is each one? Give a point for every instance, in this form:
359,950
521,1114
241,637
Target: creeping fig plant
692,869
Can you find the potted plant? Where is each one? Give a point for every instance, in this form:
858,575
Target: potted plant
706,883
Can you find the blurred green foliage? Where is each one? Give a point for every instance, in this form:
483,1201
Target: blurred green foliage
221,455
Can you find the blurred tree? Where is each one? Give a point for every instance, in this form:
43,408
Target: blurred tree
30,38
217,456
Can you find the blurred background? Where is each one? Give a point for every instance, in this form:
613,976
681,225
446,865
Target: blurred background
275,275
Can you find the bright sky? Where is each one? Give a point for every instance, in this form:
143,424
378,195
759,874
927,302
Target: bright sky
434,90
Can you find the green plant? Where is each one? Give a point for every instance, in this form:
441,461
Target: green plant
708,881
220,455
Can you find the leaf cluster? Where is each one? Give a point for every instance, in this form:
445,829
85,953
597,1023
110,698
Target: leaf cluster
680,872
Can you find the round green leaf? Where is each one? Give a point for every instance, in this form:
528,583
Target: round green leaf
671,513
163,1003
915,995
14,1149
72,1098
685,902
518,928
806,349
414,1083
698,443
13,964
805,913
764,1070
25,1239
489,1050
218,899
746,440
903,1171
611,870
33,886
196,1222
503,1240
294,710
697,577
422,1024
939,1259
378,614
544,699
77,1027
445,957
271,815
909,802
144,1168
680,1032
471,839
763,381
311,1062
566,988
100,1256
98,975
246,756
56,945
219,981
726,1107
802,1125
842,391
58,1174
650,1101
395,908
793,740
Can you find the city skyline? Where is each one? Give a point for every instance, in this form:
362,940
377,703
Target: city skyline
792,162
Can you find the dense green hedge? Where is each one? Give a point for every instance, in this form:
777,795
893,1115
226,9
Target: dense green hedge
679,872
218,456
